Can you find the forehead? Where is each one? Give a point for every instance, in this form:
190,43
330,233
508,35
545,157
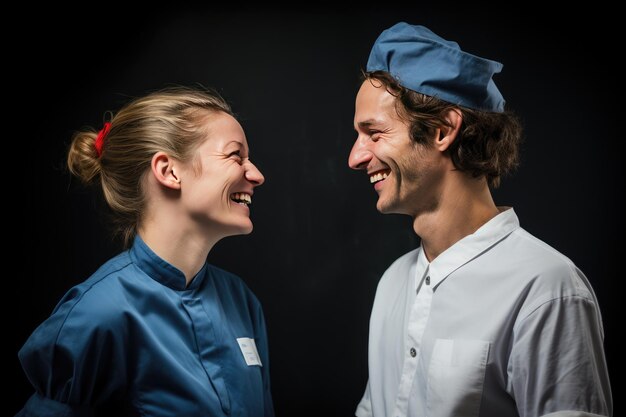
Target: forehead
222,129
374,104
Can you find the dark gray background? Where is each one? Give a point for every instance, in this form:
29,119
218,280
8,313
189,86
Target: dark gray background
319,245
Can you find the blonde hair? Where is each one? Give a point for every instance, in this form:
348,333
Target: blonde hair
167,120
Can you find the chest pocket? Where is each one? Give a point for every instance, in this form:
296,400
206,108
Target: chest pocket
455,377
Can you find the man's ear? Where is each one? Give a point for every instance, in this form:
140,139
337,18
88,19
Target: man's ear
164,169
447,134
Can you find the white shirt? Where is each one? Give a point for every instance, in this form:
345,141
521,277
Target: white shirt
498,325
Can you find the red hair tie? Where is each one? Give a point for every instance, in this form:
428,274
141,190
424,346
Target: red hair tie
102,134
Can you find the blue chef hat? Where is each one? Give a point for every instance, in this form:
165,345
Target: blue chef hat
431,65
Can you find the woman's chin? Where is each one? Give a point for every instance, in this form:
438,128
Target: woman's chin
240,229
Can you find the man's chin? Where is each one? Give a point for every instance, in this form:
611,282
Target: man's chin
386,208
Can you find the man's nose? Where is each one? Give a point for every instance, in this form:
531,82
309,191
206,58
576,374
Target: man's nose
360,155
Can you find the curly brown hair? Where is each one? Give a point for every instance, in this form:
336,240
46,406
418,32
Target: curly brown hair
487,144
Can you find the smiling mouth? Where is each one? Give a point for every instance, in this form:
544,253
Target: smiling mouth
379,176
244,199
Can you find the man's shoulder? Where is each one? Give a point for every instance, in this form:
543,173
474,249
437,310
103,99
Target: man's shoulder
399,269
405,261
544,269
536,253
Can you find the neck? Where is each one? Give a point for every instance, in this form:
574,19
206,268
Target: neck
181,245
465,205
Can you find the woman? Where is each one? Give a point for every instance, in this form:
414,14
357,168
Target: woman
157,331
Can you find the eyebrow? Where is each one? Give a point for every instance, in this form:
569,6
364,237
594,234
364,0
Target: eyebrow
238,143
241,144
369,123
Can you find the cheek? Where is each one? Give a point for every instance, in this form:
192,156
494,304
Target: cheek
405,163
204,191
410,169
217,184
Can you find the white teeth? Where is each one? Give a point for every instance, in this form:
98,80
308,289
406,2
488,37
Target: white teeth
241,198
378,177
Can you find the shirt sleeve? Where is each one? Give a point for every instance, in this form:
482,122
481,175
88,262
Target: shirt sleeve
75,359
557,364
364,409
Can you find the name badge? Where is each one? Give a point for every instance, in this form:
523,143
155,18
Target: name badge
249,352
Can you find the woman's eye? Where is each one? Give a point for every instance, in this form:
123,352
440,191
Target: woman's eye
236,156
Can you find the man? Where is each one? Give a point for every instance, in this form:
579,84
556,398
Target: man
483,319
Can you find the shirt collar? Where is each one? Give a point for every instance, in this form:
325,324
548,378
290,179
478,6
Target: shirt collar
160,270
473,245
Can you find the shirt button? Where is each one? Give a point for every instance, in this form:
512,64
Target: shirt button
428,280
413,352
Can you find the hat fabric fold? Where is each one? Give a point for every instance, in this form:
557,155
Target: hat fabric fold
426,63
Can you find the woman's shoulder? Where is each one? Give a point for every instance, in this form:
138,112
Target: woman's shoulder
229,281
97,302
221,275
87,329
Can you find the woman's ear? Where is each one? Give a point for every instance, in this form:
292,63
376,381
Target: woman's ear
447,134
164,169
